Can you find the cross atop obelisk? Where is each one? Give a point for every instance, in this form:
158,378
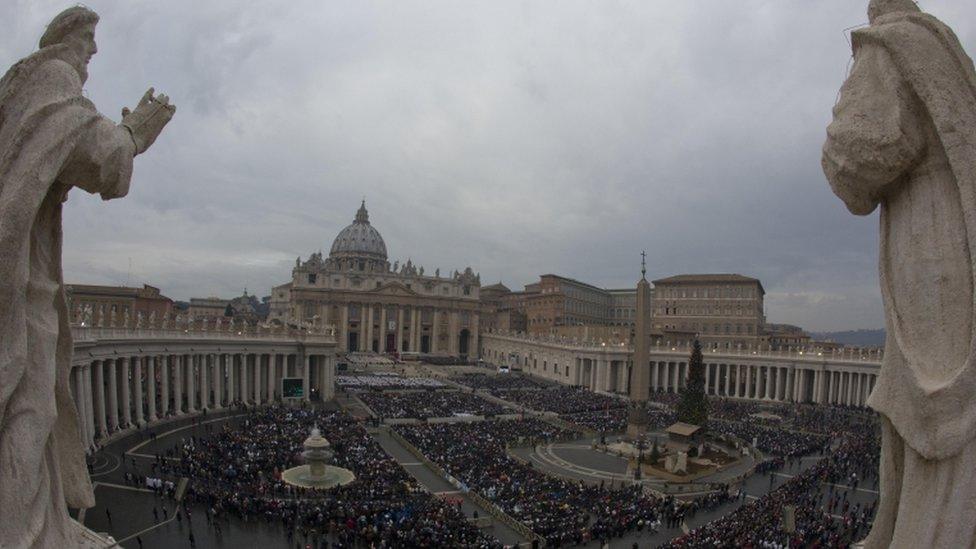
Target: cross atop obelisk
643,264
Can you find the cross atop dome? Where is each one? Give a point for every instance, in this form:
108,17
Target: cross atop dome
362,216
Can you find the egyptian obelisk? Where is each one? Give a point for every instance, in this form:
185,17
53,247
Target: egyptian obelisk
640,377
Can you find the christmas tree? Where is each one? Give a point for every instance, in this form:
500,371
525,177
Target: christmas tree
693,406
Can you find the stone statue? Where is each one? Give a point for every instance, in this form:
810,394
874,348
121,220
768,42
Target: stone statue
51,139
904,136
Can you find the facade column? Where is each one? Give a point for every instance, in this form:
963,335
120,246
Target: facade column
454,330
164,389
708,378
344,328
415,329
435,332
367,345
151,386
99,366
113,396
306,370
399,330
191,383
382,332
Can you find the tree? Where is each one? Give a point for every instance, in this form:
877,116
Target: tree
693,406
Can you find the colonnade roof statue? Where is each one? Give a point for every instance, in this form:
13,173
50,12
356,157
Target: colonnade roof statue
904,136
51,139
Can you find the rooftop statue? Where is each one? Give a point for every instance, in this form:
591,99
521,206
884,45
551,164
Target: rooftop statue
52,139
904,137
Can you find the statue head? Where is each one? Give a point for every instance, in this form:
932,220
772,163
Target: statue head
74,27
877,8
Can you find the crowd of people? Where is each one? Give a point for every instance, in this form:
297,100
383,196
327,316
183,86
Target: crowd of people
561,399
770,440
561,511
428,404
824,515
499,382
387,381
237,472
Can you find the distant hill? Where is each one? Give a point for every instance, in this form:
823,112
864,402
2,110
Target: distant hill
861,338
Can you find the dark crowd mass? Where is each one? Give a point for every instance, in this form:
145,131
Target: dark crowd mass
237,472
424,404
562,512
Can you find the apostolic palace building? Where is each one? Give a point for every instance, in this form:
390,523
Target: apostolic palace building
379,307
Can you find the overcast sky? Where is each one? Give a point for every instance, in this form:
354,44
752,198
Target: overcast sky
519,138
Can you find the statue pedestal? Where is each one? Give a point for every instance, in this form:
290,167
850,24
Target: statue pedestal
636,422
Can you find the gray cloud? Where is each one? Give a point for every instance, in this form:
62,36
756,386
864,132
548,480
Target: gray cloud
517,137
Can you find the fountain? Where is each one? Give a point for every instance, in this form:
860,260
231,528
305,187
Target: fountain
317,472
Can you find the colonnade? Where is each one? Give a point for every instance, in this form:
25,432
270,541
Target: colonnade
121,391
799,377
780,383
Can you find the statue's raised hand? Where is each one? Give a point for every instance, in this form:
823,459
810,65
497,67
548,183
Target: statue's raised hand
148,119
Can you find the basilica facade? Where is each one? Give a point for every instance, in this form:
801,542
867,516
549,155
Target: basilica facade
378,307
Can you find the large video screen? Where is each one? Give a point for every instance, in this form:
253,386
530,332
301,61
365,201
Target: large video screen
292,387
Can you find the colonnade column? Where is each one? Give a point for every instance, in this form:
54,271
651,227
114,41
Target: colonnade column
272,367
113,396
257,378
164,390
231,377
99,366
80,406
218,382
243,394
151,386
137,374
708,378
191,384
178,384
126,401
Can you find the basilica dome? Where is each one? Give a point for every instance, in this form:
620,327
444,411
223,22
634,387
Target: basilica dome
360,240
